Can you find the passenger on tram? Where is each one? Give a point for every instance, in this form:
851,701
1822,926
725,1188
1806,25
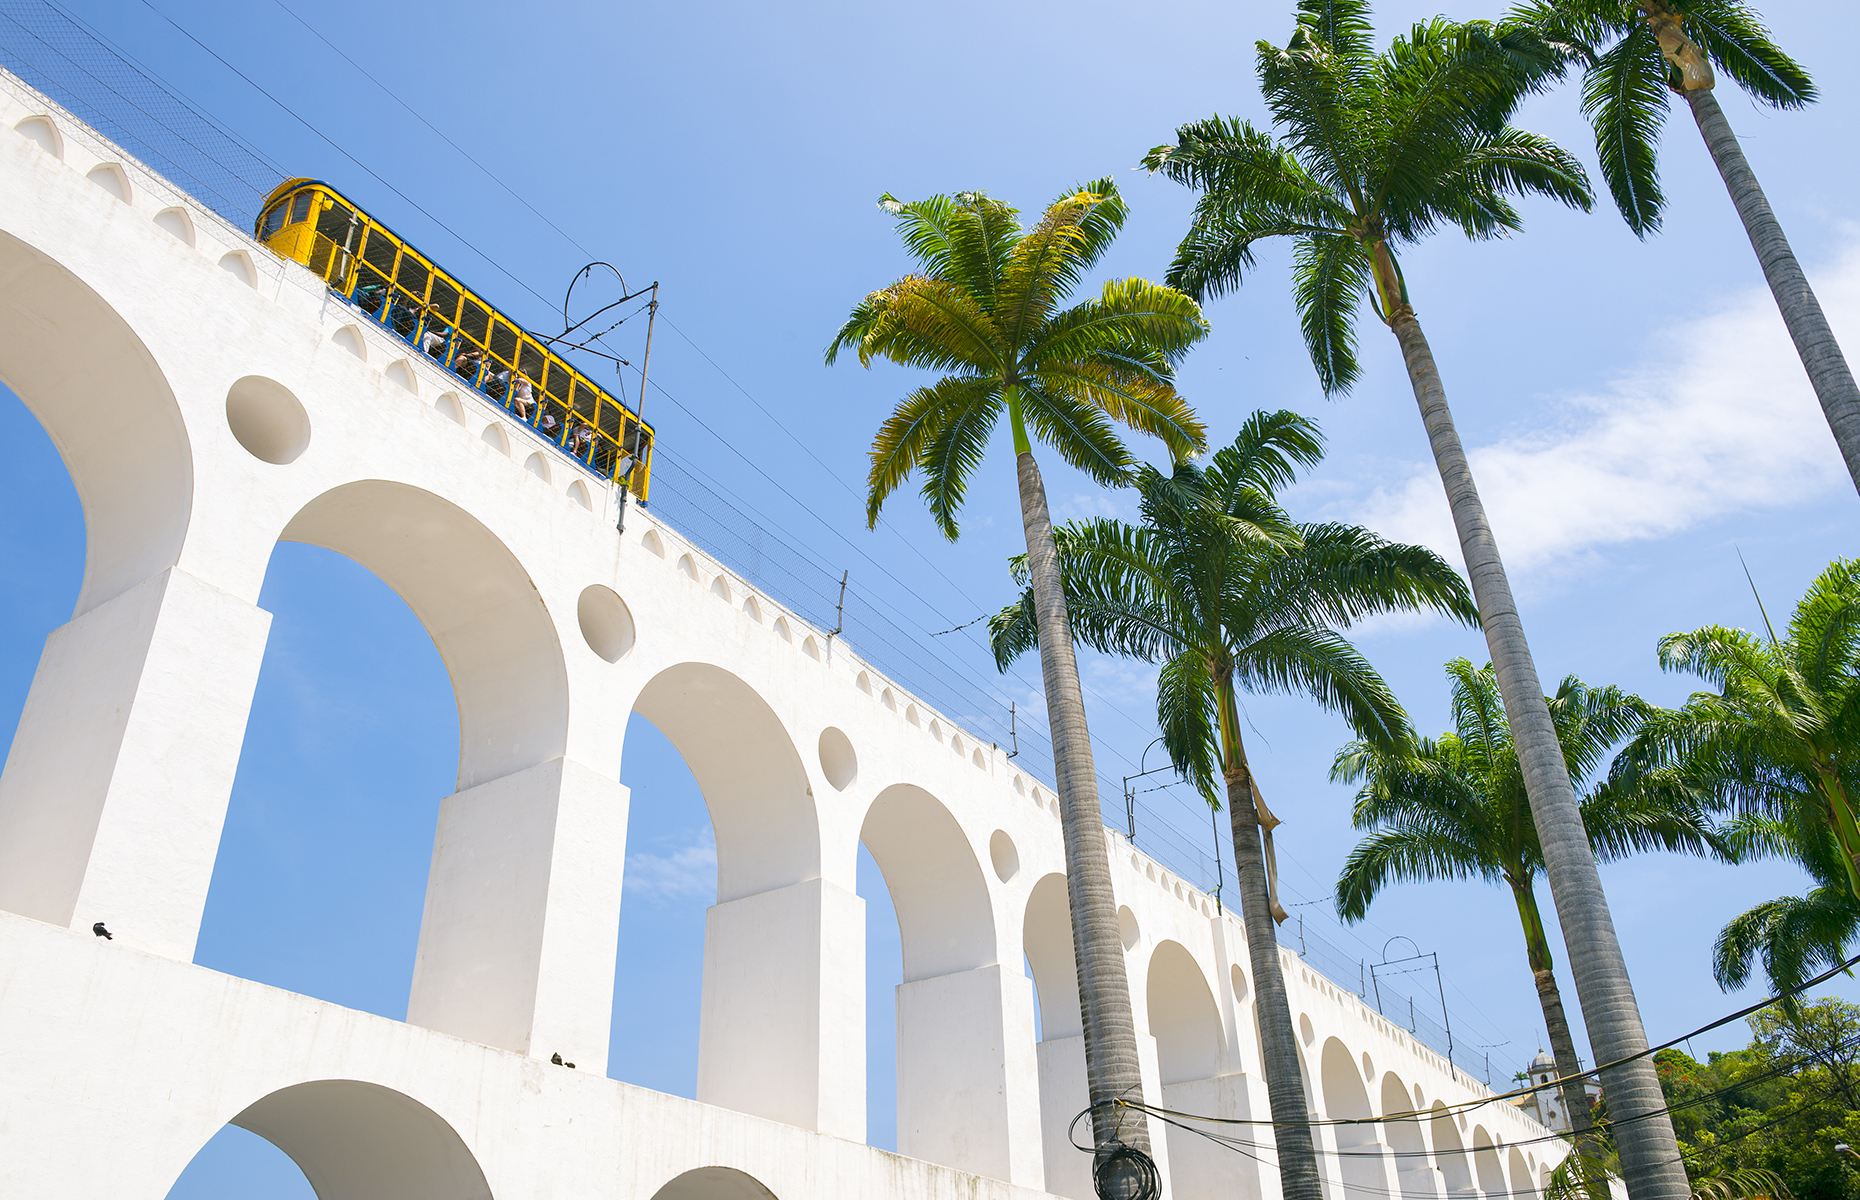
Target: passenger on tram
433,341
368,296
580,437
548,425
467,363
521,396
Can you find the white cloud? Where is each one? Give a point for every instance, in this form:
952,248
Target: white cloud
686,872
1718,418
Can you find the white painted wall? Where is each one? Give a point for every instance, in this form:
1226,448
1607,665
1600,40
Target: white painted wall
254,419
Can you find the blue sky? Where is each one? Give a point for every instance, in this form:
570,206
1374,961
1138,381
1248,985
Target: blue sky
1634,412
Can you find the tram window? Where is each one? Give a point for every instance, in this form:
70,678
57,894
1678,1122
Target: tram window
561,381
380,251
610,418
300,207
504,342
412,276
445,299
587,400
274,220
333,222
474,320
531,362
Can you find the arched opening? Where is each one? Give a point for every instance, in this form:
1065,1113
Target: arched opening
111,179
1361,1160
1417,1177
1521,1187
350,1140
1046,940
952,1071
177,223
96,389
1450,1151
725,906
1183,1017
96,392
42,133
1486,1166
714,1183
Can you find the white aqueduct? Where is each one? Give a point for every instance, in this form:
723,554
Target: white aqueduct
210,401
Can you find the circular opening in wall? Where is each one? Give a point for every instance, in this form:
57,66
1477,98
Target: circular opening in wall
837,758
1006,858
606,623
1127,927
267,420
1239,982
1369,1067
1304,1029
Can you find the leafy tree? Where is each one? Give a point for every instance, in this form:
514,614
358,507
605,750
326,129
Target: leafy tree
1220,587
985,310
1638,54
1376,151
1454,807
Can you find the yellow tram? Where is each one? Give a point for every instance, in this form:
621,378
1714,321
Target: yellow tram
309,222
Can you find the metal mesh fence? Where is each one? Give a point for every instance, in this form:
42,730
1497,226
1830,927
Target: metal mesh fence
105,87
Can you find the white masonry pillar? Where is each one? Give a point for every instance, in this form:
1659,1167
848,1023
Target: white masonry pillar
522,918
115,789
968,1075
782,1030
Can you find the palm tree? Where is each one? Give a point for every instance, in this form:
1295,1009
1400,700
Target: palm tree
1639,53
1455,808
1219,586
1378,151
985,309
1780,737
1792,937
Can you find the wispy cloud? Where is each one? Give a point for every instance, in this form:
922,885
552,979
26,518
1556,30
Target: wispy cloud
682,873
1718,418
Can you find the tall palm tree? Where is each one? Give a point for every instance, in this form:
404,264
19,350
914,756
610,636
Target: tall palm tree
985,309
1779,737
1378,150
1637,54
1454,807
1227,593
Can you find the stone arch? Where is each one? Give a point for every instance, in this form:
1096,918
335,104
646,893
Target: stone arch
1184,1019
1449,1151
578,492
177,223
89,380
1403,1137
111,179
41,132
400,374
350,339
495,437
362,1141
714,1183
239,265
1360,1161
536,465
1521,1186
1046,939
448,406
753,778
945,915
475,599
1486,1165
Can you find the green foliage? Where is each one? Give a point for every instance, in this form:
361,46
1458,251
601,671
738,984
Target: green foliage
1778,743
1764,1121
985,310
1627,82
1454,807
1223,589
1371,151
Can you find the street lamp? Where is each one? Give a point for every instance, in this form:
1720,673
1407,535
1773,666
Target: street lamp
1840,1146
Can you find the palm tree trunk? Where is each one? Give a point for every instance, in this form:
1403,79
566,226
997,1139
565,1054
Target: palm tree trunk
1649,1152
1111,1068
1278,1045
1801,312
1562,1044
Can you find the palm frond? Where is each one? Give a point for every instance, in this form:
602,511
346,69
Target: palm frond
1624,95
1330,275
1737,43
906,436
